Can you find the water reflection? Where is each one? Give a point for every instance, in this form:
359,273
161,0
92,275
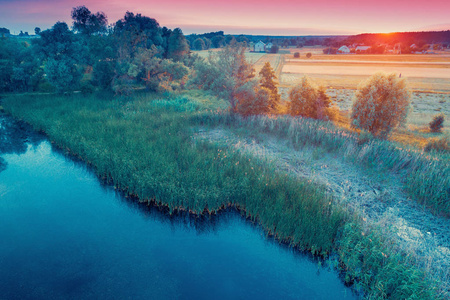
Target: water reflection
15,137
66,236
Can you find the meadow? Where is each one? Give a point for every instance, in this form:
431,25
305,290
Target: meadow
146,146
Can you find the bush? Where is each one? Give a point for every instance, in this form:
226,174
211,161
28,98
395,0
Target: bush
437,123
308,55
296,55
380,104
438,145
86,88
309,101
252,99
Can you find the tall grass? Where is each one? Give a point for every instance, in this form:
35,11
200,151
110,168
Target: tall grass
426,175
144,146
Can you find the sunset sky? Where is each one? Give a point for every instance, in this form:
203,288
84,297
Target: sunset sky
271,17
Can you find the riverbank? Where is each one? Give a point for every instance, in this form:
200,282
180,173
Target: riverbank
144,146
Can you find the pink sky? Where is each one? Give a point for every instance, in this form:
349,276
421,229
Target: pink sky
273,17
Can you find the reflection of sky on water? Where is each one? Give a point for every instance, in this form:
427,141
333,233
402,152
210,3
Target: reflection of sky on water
66,236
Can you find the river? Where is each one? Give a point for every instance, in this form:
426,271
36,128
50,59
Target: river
65,235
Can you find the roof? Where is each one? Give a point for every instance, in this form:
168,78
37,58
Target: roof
362,48
260,42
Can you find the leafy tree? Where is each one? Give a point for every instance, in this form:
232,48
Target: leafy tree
218,41
37,30
252,99
63,52
380,104
4,31
309,101
273,49
103,74
267,81
177,45
224,73
62,74
199,44
207,43
135,31
88,23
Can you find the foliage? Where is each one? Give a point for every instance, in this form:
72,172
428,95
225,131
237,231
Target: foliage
308,55
62,51
224,73
19,68
88,23
380,104
199,44
296,55
273,49
437,123
62,74
308,100
103,74
267,81
177,45
252,99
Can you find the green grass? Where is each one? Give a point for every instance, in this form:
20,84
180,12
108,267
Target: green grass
144,145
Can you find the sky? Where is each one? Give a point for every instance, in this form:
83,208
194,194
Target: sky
265,17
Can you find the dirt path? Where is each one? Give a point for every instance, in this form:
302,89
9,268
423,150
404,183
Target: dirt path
377,197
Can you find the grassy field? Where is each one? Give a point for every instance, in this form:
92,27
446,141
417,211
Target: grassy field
144,145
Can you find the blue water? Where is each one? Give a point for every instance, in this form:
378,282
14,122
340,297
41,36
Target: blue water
64,235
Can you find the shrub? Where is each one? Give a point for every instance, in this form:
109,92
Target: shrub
252,99
296,55
380,104
309,101
439,145
308,55
86,87
437,123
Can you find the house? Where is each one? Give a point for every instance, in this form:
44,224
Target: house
344,50
362,49
260,47
269,46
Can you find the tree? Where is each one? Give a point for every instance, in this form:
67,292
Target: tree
218,41
267,81
103,74
63,52
224,73
88,23
199,44
380,104
309,101
177,45
252,99
37,30
62,74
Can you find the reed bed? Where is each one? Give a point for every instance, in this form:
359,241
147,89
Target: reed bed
144,146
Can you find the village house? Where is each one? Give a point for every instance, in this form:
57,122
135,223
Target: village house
260,47
362,49
269,46
344,50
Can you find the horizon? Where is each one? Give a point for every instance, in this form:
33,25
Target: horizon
286,18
